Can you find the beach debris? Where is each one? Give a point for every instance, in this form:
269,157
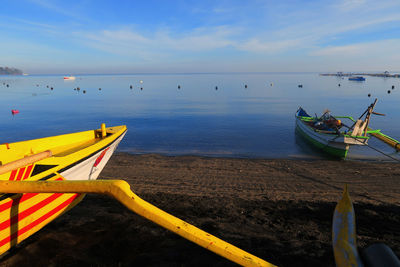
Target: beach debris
14,111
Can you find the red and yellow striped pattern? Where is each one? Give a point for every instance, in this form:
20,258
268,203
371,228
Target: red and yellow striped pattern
21,215
21,173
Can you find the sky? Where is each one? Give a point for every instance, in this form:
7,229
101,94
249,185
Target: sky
187,36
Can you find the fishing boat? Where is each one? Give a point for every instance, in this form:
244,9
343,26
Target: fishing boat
75,156
357,78
43,178
69,78
330,134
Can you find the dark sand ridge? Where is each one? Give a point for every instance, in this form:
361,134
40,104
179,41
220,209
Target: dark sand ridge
279,210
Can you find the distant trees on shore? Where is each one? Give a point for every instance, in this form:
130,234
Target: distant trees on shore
10,71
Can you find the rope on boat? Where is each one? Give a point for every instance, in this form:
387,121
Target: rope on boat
377,150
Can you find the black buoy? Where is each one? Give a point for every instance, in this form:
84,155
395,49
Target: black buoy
141,88
245,86
388,91
7,85
216,87
51,88
84,91
99,89
179,87
392,86
74,89
300,86
369,95
131,87
339,84
47,86
37,85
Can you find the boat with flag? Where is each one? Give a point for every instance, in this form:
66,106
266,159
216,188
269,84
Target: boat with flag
75,156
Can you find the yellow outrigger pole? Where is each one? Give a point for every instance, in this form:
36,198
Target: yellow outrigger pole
121,191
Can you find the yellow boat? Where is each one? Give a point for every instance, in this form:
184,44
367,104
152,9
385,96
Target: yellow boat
76,156
43,178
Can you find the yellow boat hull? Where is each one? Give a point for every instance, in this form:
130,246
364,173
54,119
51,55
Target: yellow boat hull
77,156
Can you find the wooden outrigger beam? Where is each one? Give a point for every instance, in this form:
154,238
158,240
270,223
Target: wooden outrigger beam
384,138
120,190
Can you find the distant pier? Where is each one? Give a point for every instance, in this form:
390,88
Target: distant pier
348,74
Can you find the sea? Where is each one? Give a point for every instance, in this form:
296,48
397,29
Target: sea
243,115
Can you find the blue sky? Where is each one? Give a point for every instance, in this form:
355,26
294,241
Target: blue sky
95,36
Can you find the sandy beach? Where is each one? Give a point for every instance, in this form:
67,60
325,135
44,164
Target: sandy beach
279,210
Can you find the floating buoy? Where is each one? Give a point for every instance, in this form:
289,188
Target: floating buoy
245,86
216,87
388,91
51,88
47,86
131,86
300,86
37,85
14,111
84,91
272,84
179,87
99,89
339,84
141,88
7,85
369,95
392,86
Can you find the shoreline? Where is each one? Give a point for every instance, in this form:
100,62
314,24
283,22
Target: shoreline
277,209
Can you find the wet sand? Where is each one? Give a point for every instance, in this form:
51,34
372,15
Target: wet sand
279,210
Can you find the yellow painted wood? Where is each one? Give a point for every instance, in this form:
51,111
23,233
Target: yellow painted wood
388,141
120,190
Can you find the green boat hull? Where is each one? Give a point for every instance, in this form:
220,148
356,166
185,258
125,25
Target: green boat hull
331,151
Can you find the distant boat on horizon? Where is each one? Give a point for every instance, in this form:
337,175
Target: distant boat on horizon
69,77
356,78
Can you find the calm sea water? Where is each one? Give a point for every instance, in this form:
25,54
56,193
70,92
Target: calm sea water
197,119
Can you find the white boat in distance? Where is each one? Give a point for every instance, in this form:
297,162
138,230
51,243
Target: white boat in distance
69,77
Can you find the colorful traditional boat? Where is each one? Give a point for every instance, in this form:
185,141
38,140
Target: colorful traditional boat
69,78
357,78
326,132
43,178
76,156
